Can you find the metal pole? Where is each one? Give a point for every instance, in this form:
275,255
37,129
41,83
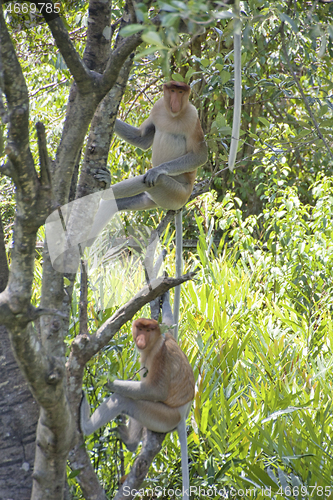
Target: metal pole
179,266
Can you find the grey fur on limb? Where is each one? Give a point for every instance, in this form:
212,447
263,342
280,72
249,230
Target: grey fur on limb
161,401
178,148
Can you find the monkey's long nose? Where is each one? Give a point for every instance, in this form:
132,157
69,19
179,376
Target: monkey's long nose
175,104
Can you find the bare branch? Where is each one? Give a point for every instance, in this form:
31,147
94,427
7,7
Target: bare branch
83,299
87,479
151,445
3,259
44,162
82,76
85,347
98,46
117,59
14,87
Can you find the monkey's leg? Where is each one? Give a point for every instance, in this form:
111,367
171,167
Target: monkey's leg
168,192
131,433
132,195
126,188
108,208
155,416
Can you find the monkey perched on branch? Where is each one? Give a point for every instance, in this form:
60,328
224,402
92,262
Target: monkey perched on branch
178,148
161,401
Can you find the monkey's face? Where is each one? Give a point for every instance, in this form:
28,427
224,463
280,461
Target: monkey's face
176,95
145,333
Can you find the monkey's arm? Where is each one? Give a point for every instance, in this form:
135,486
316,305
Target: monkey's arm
184,164
139,390
141,137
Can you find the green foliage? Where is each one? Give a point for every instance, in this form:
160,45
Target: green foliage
256,322
261,314
256,325
7,205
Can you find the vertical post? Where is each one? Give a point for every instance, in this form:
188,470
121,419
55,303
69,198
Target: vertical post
179,267
237,86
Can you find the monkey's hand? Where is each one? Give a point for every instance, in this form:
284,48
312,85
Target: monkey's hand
103,175
151,177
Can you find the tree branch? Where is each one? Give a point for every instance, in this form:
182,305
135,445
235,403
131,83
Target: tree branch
151,445
3,259
44,163
83,299
16,92
84,347
82,76
98,45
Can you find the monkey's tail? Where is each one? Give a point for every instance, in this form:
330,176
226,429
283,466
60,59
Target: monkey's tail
181,429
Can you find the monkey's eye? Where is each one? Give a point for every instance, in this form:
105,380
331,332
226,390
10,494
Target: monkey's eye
172,90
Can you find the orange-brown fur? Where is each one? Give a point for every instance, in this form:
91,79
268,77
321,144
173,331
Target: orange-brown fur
178,149
167,365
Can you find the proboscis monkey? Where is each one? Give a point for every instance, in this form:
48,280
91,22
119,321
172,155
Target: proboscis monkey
161,401
178,148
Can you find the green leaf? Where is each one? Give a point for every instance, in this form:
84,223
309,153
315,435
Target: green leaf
177,78
227,14
323,43
167,7
210,306
264,121
205,62
153,38
189,73
225,76
263,477
146,52
278,413
288,20
204,417
73,474
131,30
230,92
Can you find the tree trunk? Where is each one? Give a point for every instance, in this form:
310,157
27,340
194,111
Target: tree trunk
18,421
3,260
18,415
